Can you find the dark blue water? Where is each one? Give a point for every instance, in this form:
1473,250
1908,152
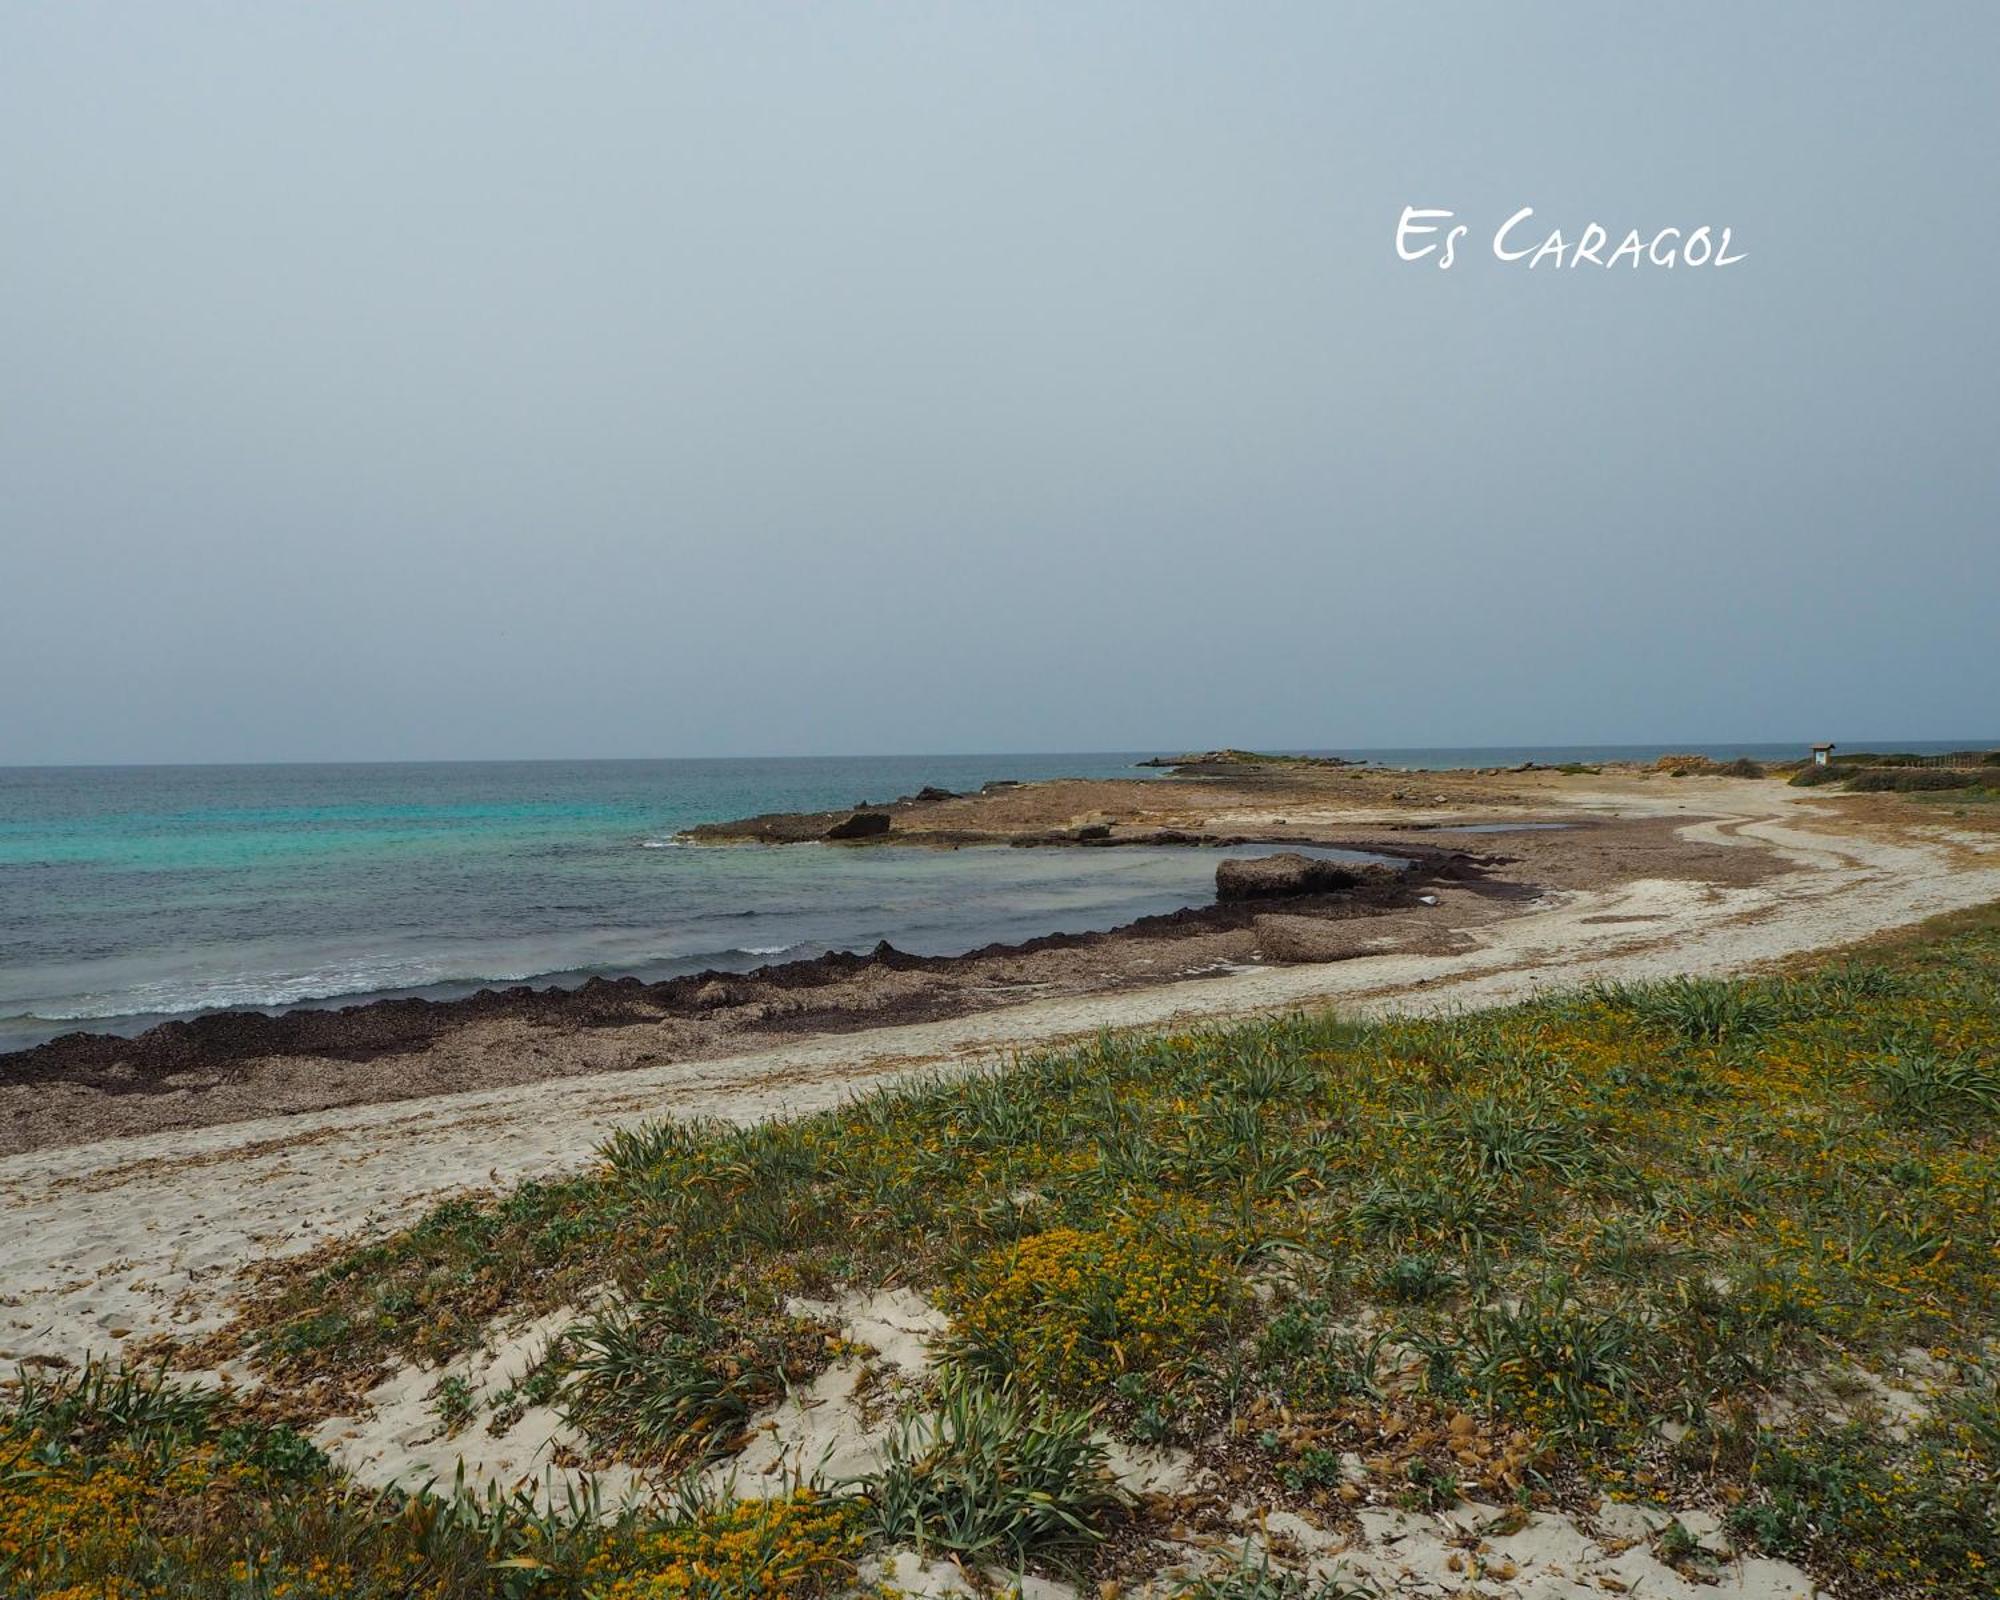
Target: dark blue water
130,894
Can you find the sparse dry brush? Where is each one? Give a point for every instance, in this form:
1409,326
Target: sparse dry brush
1631,1241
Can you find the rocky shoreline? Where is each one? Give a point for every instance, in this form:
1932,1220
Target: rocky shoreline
394,1043
230,1066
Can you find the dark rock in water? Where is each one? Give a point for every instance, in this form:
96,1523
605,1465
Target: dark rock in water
930,794
773,827
1263,877
999,783
1094,830
862,825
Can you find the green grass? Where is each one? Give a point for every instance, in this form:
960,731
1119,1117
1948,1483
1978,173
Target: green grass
639,1387
1254,1578
995,1479
1489,1254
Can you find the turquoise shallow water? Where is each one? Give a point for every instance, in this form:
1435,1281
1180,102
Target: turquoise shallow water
131,894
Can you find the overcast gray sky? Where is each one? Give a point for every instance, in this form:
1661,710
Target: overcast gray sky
514,380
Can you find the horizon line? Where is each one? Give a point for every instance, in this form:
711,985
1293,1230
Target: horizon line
1692,746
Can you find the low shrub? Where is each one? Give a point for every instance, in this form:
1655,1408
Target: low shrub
803,1544
1912,780
1072,1309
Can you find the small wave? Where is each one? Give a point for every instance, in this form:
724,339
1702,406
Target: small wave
265,992
675,843
349,982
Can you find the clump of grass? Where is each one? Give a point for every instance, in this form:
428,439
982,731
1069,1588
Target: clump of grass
98,1408
996,1479
1923,1087
1705,1010
661,1396
1567,1367
1254,1578
454,1402
1854,983
1311,1356
1505,1138
1413,1280
1466,1214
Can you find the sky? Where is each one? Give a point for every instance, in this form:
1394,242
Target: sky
422,382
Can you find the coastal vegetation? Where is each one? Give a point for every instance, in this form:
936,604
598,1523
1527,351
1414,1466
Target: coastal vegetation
1701,1244
1689,766
1974,773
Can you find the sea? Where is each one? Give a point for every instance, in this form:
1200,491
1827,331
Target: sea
133,895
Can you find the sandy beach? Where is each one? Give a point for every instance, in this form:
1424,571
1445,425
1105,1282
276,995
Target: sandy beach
996,802
118,1241
1525,836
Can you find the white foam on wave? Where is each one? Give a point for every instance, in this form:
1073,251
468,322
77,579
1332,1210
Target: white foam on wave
349,980
257,991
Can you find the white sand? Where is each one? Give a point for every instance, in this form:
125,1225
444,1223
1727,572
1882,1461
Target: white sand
125,1238
839,1426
